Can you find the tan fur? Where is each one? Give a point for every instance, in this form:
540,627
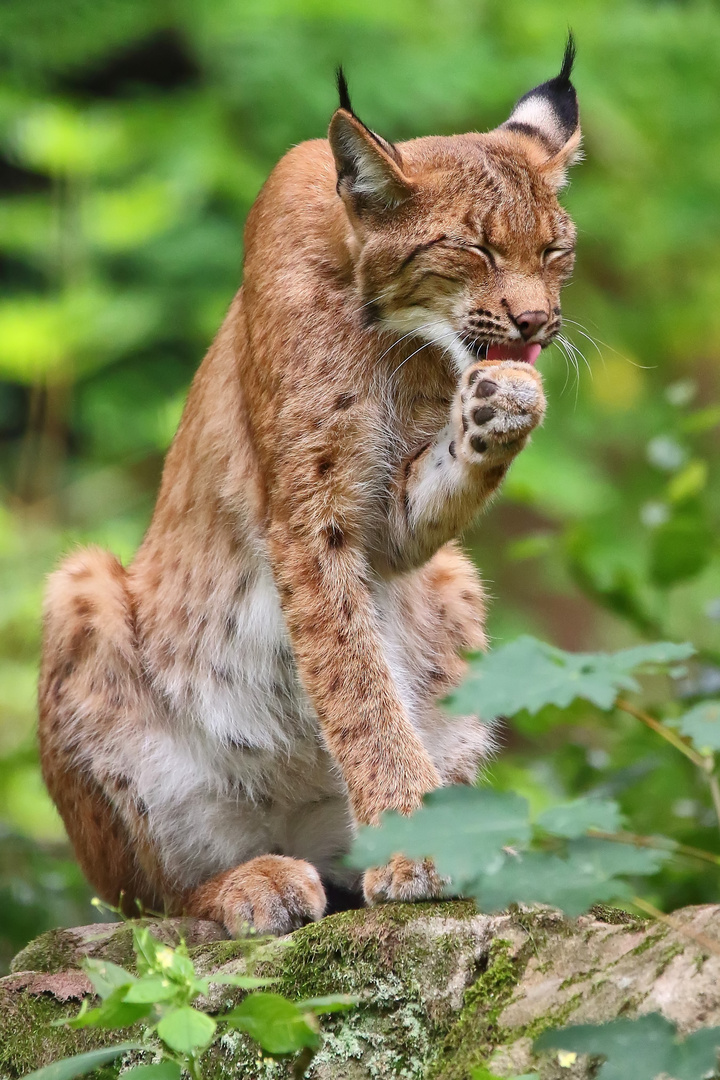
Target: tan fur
267,669
404,880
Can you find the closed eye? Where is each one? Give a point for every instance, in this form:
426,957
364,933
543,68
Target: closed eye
550,254
486,252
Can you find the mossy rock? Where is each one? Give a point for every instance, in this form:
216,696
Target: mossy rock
441,988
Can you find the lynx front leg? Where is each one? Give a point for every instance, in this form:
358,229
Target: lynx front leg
496,407
324,587
272,893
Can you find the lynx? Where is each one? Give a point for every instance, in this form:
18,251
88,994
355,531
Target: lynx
217,717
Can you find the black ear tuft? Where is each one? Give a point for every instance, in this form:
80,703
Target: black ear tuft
568,61
343,92
550,111
561,92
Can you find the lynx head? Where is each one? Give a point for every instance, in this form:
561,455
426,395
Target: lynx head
461,240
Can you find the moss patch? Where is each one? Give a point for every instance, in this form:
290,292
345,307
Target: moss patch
50,953
29,1042
476,1033
649,941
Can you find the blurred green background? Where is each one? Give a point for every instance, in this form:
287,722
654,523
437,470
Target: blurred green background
134,137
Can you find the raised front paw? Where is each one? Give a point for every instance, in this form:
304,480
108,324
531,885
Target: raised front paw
497,406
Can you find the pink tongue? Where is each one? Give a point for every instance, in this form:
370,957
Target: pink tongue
527,353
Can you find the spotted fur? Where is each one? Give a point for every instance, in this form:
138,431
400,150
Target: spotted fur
217,716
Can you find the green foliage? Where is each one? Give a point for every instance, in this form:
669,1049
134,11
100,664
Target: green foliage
164,1070
701,724
485,1074
82,1064
161,996
185,1030
572,855
529,674
587,872
641,1049
279,1026
465,828
481,839
573,819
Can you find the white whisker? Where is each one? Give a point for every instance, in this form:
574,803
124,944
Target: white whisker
410,333
426,345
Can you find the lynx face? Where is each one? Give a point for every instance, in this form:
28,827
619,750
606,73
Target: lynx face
461,240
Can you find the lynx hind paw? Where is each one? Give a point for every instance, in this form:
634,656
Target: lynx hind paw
499,405
403,879
272,894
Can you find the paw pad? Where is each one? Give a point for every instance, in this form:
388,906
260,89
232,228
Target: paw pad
498,413
483,414
486,388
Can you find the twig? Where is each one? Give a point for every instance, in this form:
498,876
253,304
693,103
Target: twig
714,791
705,942
658,842
665,732
704,762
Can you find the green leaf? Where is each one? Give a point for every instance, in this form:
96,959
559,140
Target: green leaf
587,875
484,1074
275,1023
575,818
80,1064
538,878
529,674
641,1049
682,547
179,965
698,1054
689,482
106,976
164,1070
330,1003
114,1012
702,725
151,988
186,1030
463,828
146,949
245,982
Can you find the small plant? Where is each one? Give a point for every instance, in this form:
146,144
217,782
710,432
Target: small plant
164,995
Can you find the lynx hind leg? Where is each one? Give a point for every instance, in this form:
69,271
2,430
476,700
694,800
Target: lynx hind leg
90,702
272,894
445,618
404,880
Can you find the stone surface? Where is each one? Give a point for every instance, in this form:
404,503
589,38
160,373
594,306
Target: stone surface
442,989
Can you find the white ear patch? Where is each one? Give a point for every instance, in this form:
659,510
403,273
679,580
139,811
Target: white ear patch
536,111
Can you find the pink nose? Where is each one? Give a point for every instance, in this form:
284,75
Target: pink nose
530,322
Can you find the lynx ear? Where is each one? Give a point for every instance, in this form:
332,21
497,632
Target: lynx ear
549,119
369,169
